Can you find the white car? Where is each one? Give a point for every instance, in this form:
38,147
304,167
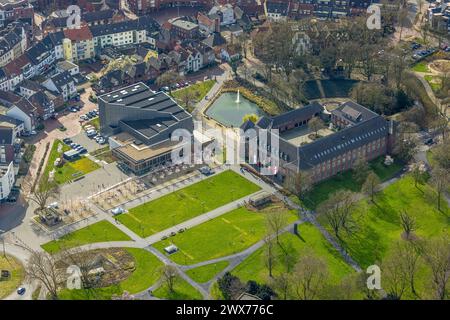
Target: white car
117,211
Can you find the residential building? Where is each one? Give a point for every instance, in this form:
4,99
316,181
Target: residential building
6,178
23,110
13,43
183,29
81,44
14,10
225,14
130,32
68,66
276,10
62,84
439,16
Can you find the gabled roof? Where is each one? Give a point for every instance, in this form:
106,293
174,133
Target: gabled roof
14,68
37,53
350,138
306,112
215,39
31,85
81,34
62,79
6,135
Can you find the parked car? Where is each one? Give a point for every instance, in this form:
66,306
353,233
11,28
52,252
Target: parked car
67,141
21,291
117,211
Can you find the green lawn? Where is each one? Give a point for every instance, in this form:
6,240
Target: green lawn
182,291
146,273
379,224
104,154
94,122
254,268
187,203
421,66
17,275
201,89
98,232
434,82
205,273
345,180
70,170
230,233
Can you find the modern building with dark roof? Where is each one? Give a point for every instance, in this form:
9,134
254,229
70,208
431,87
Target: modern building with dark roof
140,123
353,132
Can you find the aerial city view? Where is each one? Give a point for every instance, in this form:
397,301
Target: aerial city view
224,150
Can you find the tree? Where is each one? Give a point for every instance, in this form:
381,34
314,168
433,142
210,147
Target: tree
372,185
250,117
42,267
360,169
45,190
436,254
316,124
302,184
440,179
337,210
281,284
230,286
275,222
417,174
394,280
169,275
408,224
168,79
269,253
309,277
441,154
188,97
408,257
407,142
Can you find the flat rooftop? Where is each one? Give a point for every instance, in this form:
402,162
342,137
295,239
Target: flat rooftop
142,97
144,152
301,135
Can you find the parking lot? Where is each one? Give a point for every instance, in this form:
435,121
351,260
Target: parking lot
89,144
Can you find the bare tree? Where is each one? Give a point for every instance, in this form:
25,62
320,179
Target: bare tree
440,179
394,280
372,185
441,154
408,224
169,275
408,257
316,124
417,174
337,210
309,277
269,257
302,184
168,79
276,221
281,283
436,254
360,169
42,267
188,98
44,191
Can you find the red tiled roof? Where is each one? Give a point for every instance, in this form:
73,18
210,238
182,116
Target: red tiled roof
14,68
79,34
